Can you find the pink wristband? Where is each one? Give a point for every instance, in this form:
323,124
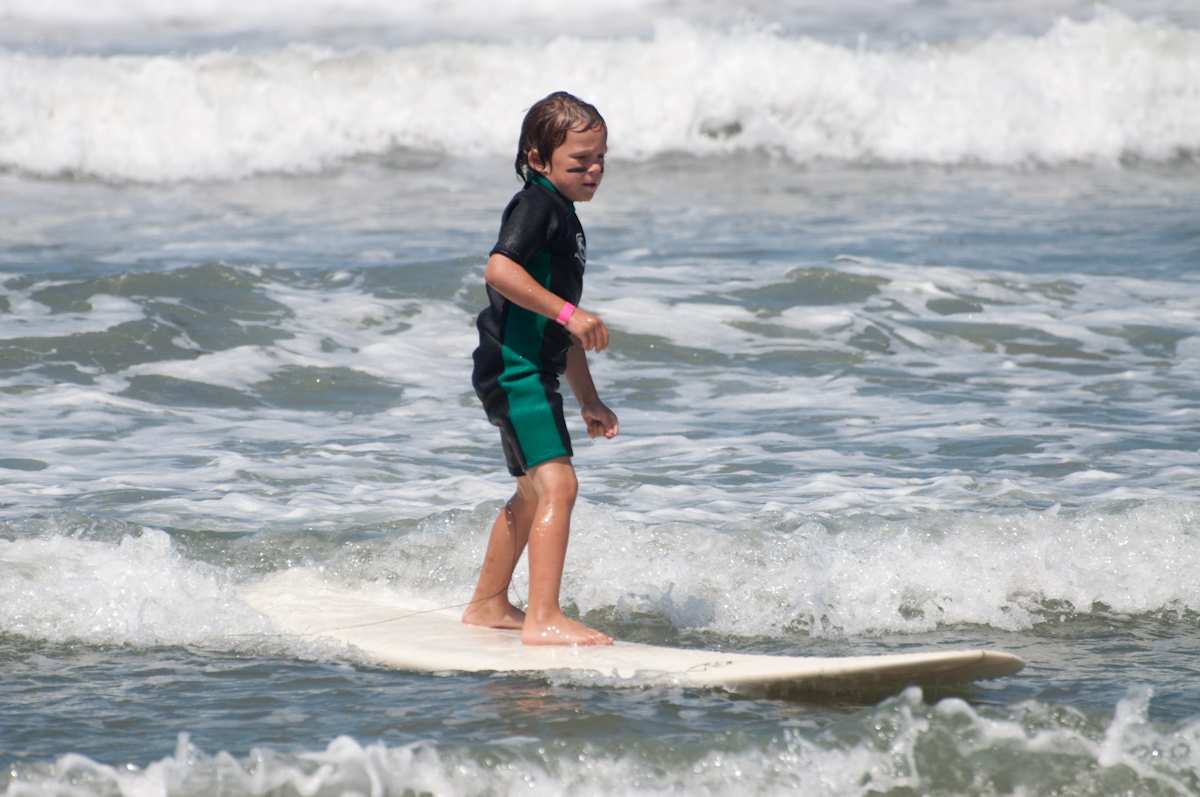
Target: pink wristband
564,315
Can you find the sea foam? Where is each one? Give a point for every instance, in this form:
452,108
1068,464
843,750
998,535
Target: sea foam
903,745
759,576
1100,91
139,590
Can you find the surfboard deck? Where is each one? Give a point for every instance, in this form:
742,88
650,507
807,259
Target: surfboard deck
390,635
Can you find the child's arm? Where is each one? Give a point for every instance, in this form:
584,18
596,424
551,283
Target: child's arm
515,284
599,418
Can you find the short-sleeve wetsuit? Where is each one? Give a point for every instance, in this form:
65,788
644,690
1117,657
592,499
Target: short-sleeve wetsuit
521,353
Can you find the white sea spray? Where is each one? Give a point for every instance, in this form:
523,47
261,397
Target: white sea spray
1128,88
945,748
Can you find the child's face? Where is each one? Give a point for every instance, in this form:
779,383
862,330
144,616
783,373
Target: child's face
577,165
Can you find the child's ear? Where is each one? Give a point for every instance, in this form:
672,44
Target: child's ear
534,159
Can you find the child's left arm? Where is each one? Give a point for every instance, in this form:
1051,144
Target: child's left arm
599,418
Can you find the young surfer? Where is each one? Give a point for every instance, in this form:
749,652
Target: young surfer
532,332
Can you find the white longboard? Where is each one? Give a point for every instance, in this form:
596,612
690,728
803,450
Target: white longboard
390,635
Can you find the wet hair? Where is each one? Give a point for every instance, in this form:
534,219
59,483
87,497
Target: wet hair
547,123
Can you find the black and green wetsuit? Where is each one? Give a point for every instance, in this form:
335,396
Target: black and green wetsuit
521,354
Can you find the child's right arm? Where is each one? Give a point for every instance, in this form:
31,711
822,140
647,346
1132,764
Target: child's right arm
514,283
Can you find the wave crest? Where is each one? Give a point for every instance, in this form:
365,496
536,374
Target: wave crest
1099,92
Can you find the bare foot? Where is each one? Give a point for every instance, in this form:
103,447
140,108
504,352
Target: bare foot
561,630
496,613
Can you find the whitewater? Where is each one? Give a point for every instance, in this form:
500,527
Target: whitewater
1100,92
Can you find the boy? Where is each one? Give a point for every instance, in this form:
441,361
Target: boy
530,333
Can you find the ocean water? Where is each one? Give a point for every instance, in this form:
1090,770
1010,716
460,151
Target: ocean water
905,301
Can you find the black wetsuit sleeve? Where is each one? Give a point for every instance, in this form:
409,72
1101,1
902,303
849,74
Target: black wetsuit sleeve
526,226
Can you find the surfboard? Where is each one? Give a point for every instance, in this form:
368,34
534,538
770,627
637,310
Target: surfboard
389,635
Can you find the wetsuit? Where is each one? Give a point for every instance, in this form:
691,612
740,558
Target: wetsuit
521,354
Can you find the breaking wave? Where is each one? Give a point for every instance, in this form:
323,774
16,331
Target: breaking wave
1102,91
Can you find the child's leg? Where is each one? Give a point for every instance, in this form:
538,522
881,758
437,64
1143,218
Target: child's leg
556,487
489,605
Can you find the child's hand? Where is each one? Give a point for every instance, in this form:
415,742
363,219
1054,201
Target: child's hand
589,330
600,420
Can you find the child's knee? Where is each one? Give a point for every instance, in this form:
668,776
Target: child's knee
556,483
